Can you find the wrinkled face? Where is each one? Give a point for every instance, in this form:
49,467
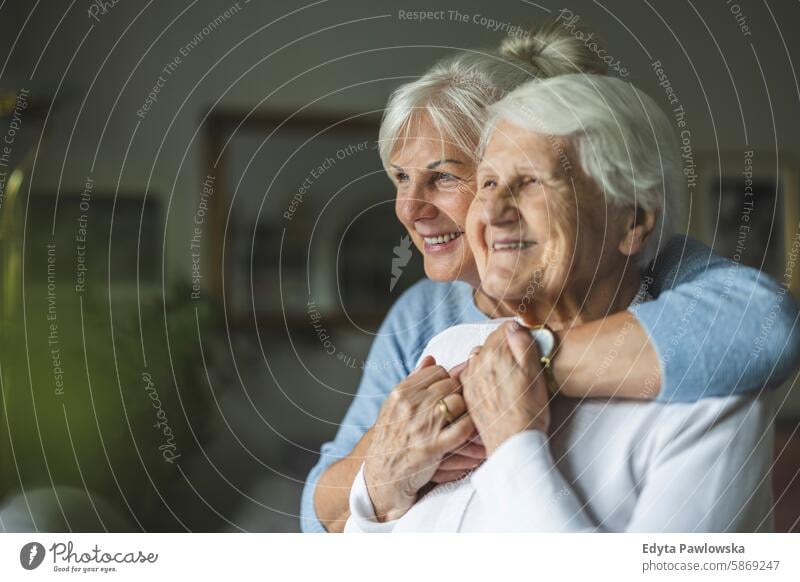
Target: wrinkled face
538,224
435,185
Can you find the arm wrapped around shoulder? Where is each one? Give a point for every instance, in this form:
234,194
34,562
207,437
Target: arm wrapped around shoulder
719,327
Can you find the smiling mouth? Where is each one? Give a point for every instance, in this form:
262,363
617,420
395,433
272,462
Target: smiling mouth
512,245
442,238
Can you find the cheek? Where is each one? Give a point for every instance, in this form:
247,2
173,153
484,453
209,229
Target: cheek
557,222
409,226
455,204
398,207
474,232
596,232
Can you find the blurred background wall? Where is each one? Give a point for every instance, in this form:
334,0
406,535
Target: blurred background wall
156,115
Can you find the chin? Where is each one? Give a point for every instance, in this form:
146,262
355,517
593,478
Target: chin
437,270
444,273
436,275
503,289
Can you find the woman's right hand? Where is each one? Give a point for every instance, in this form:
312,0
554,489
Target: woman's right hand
412,436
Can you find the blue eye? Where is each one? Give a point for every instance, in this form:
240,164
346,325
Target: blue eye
444,177
401,177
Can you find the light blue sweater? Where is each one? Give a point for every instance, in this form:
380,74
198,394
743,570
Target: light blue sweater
719,328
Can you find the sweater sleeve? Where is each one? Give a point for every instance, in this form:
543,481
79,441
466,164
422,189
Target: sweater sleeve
710,473
389,362
718,327
362,514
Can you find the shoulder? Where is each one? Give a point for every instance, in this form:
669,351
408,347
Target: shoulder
424,310
433,305
679,257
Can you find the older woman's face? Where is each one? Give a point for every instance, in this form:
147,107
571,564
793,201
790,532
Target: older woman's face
435,185
537,221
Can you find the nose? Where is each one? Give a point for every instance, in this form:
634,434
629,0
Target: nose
499,206
412,205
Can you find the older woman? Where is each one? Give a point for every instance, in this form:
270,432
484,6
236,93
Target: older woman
577,173
428,140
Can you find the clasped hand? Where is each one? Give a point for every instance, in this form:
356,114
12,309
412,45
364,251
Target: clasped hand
417,440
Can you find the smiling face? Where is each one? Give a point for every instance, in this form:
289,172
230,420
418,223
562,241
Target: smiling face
538,226
435,184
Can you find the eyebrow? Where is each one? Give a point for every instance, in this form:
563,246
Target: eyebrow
435,163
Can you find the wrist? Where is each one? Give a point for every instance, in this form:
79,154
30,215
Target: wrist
564,367
388,500
492,440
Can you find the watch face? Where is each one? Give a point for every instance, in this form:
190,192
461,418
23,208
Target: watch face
545,340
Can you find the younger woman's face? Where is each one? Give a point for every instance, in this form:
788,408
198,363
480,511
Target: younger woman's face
435,184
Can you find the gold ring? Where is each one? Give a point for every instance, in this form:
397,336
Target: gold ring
442,405
474,352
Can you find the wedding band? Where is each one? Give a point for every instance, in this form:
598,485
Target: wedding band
442,405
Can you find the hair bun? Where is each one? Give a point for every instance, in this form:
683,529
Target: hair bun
553,50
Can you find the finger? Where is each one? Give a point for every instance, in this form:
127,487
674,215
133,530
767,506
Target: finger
489,350
499,357
458,463
497,337
471,449
447,476
455,406
455,371
464,373
522,345
425,362
424,377
456,434
442,388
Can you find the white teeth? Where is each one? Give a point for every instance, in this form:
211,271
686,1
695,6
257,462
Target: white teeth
514,245
442,238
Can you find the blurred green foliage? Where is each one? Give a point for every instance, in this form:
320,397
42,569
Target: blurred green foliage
129,371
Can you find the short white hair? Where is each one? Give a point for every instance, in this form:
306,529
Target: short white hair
624,141
454,94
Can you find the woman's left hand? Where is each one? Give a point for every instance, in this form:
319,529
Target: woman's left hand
504,386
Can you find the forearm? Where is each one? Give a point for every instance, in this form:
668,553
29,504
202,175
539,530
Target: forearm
332,493
610,357
719,327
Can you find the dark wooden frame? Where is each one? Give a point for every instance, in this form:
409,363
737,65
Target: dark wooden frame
216,126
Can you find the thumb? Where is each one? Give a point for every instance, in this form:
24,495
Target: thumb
425,362
455,371
521,344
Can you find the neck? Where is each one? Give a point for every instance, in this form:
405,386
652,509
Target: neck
575,305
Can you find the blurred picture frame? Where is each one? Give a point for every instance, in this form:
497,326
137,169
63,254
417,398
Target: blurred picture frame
746,206
302,219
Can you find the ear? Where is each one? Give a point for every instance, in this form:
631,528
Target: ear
639,224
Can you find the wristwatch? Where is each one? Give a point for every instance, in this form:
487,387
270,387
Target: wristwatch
547,344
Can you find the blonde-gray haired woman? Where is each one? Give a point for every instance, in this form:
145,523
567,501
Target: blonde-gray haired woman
428,143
